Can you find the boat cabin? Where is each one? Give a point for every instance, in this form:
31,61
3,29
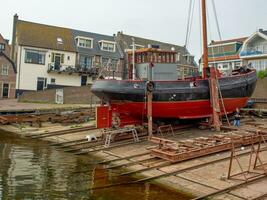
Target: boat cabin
161,62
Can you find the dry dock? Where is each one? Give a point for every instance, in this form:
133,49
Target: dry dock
202,177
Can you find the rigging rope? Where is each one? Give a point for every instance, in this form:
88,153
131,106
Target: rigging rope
189,21
216,19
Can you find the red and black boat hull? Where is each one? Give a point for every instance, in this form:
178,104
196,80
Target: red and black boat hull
183,99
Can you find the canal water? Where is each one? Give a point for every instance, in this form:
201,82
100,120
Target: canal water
31,169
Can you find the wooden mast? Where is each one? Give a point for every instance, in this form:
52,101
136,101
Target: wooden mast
213,81
205,39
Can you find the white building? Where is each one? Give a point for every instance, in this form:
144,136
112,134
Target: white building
52,57
254,50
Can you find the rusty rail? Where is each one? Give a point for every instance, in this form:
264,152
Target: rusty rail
188,149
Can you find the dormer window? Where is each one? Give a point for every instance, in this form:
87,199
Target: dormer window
59,40
107,46
84,42
2,47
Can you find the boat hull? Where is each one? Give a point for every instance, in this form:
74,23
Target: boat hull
185,99
179,109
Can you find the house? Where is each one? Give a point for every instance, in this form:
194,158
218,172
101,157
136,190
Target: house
98,51
52,57
126,42
254,50
7,71
224,55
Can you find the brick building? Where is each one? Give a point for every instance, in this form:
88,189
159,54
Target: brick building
7,71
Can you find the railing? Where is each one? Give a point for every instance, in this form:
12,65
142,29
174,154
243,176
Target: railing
52,67
250,52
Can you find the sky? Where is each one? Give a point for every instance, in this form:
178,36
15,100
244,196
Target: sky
163,20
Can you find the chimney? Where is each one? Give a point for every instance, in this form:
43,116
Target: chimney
260,30
15,20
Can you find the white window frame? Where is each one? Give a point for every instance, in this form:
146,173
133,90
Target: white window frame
6,67
85,38
26,50
108,42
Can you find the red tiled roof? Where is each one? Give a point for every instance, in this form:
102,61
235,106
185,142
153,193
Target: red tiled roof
228,41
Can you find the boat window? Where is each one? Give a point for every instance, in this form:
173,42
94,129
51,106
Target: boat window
167,57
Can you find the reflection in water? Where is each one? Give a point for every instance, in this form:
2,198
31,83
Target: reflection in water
31,169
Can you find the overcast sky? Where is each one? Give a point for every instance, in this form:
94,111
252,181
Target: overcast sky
163,20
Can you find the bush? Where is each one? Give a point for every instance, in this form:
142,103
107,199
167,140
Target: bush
262,74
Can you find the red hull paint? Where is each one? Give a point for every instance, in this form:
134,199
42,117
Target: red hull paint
181,110
135,112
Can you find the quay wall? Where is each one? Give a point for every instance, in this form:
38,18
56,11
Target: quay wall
71,95
261,89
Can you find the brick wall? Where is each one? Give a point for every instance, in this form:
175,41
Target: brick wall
72,95
7,79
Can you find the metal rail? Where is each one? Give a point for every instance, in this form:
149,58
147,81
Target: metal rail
131,163
123,158
226,190
162,175
62,132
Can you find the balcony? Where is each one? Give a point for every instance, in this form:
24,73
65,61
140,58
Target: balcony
78,69
254,51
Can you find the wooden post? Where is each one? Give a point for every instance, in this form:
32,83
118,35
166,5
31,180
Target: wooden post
149,90
214,97
205,40
149,113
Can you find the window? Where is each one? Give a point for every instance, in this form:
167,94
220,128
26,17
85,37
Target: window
85,62
5,91
5,70
237,65
2,47
177,57
59,40
53,81
41,83
57,58
35,57
107,46
225,66
85,42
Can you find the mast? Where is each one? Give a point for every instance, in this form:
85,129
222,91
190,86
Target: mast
205,39
213,81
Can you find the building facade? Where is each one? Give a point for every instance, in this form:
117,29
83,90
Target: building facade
224,55
7,71
183,58
53,57
254,50
99,52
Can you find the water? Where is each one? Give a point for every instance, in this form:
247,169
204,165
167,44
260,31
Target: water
31,169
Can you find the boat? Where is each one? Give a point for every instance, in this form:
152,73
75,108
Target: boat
172,98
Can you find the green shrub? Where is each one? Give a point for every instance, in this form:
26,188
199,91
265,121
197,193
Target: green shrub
262,74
